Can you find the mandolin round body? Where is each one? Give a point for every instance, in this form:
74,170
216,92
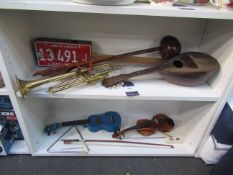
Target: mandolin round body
190,69
188,80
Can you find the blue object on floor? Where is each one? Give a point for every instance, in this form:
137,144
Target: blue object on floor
225,165
223,129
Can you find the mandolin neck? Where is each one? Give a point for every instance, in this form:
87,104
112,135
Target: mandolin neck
144,71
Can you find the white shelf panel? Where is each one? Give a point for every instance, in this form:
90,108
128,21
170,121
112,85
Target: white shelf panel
19,147
148,90
109,149
230,100
3,91
135,9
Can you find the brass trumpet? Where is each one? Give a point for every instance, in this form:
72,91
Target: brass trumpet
26,86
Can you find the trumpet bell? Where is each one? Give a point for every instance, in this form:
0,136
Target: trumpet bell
25,86
22,86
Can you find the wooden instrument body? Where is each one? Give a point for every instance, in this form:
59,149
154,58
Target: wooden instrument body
109,121
191,69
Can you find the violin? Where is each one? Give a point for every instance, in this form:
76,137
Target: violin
146,127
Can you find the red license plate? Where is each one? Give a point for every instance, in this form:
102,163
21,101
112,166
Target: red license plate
57,52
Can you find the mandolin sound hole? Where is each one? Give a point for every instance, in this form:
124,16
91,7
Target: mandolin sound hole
178,64
188,62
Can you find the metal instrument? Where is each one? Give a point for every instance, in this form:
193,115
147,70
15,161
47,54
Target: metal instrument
79,81
26,86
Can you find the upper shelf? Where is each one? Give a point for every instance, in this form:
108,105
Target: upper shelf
135,9
150,87
148,90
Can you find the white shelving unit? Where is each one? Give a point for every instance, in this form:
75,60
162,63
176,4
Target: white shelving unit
114,30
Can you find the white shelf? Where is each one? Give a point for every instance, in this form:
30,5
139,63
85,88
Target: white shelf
109,149
134,9
19,147
148,90
3,91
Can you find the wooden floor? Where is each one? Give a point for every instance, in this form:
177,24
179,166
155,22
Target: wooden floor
25,165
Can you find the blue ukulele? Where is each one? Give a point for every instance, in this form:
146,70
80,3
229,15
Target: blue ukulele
109,121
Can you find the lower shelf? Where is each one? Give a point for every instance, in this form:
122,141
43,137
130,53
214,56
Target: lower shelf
53,146
19,147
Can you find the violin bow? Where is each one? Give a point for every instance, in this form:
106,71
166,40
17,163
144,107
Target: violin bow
69,141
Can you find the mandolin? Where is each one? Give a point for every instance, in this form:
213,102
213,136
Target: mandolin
187,69
109,121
